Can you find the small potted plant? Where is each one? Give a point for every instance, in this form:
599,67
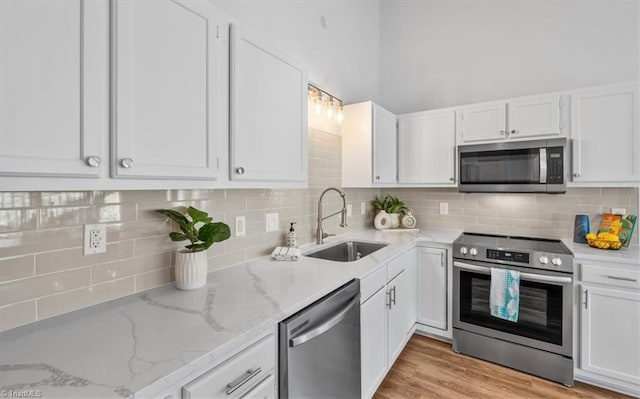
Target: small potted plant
388,212
198,228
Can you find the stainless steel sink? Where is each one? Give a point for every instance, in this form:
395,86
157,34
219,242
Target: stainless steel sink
347,251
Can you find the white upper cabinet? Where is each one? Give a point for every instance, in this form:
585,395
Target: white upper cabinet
268,112
426,147
535,116
53,88
520,118
604,129
384,146
165,89
369,146
483,122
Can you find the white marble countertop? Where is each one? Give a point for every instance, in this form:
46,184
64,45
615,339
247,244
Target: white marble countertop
145,343
629,255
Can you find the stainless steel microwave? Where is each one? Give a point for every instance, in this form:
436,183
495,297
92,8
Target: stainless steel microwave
536,166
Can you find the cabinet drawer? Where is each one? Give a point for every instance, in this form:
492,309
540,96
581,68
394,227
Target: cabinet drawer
237,375
264,390
372,283
611,276
397,265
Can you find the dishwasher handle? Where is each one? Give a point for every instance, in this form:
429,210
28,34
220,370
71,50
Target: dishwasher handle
326,326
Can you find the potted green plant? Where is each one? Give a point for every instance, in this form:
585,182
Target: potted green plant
389,209
201,231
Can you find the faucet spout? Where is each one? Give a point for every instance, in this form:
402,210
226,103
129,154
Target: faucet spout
320,235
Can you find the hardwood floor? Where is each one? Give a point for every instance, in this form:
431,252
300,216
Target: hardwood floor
429,369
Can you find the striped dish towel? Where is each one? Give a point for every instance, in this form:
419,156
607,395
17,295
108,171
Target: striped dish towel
505,294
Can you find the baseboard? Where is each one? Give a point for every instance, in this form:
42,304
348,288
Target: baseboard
598,381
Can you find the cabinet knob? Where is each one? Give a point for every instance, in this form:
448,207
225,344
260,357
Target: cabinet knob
502,132
377,177
514,131
452,179
94,161
126,163
240,170
576,174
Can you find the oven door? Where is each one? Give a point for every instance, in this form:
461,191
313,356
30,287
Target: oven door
545,313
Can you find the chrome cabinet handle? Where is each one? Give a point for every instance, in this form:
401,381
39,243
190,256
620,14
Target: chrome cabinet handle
240,170
393,295
441,259
126,163
633,280
240,381
94,161
389,299
586,299
324,327
576,174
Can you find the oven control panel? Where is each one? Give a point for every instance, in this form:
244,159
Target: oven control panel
510,256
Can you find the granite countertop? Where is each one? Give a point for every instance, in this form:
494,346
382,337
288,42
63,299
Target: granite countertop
628,255
142,344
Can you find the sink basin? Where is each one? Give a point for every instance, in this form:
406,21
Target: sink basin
347,251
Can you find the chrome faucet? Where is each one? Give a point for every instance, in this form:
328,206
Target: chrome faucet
320,235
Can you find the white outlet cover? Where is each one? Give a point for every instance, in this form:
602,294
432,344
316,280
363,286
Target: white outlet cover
363,208
272,222
619,211
95,239
241,226
444,208
349,210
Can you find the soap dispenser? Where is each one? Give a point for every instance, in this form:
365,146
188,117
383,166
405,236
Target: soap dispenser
292,237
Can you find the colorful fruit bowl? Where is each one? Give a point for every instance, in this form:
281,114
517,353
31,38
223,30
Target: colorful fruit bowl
604,244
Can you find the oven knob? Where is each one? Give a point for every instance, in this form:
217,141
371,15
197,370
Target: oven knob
556,261
544,260
463,250
473,251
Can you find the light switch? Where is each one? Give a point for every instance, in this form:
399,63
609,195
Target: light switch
444,208
272,222
349,210
241,226
363,208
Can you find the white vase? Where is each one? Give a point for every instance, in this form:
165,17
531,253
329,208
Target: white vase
191,269
382,221
394,220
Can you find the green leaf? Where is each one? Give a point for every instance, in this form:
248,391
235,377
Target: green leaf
177,236
196,247
214,232
177,217
198,215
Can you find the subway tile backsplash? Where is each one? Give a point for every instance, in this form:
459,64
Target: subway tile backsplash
43,271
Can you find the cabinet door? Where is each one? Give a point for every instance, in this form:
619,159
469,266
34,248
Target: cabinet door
412,289
398,314
534,116
53,87
426,152
384,146
610,327
165,88
484,122
604,129
432,287
268,112
373,327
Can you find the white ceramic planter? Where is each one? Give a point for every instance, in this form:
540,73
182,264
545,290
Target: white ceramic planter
191,269
394,220
382,221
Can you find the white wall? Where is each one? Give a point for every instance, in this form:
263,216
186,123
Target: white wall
440,53
342,59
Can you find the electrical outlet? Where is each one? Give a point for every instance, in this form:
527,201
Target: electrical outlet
619,211
363,208
241,226
349,210
95,239
444,208
272,222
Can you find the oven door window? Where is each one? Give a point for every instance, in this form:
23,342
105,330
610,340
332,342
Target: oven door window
540,313
520,166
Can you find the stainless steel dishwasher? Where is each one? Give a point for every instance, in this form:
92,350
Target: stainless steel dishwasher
319,348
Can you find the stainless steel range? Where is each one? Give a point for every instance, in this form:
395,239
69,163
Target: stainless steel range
540,341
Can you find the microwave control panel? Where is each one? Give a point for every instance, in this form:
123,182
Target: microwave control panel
555,165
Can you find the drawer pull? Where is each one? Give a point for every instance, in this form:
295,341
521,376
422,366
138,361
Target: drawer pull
240,381
633,280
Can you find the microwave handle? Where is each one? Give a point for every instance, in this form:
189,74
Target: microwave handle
543,165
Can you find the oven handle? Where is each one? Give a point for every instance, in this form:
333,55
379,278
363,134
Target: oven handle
525,276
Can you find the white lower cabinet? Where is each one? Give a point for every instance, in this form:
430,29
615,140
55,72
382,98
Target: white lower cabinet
249,374
609,325
387,318
432,287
